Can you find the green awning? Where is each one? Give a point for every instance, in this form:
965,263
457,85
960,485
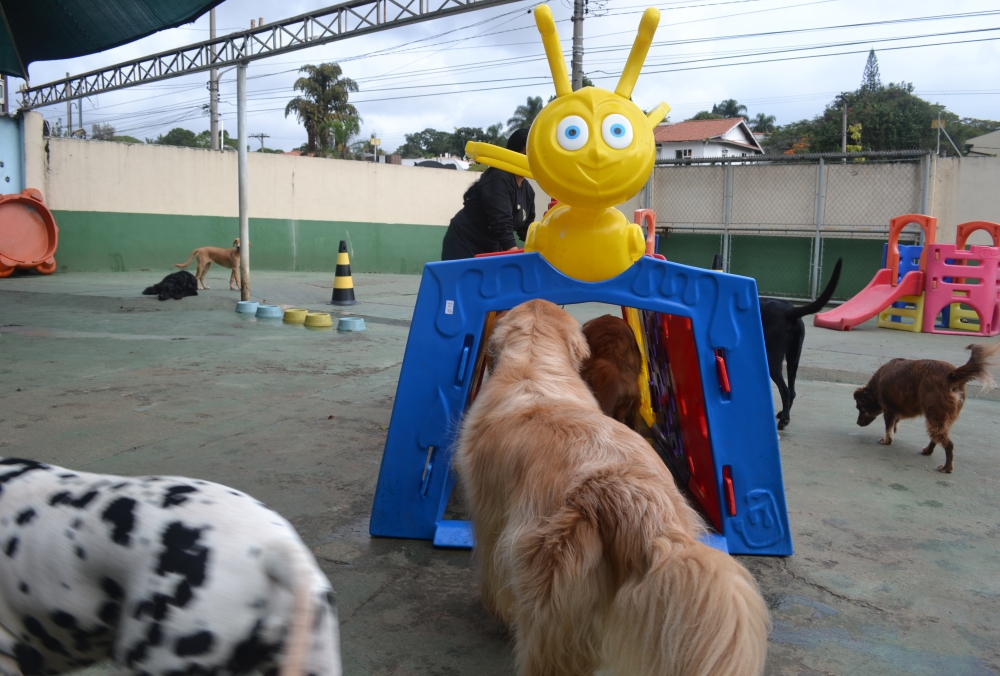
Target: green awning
42,30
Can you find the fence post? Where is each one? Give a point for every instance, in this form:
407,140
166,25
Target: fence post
924,194
820,199
728,216
647,193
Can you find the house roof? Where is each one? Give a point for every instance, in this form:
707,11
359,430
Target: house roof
986,144
694,130
701,130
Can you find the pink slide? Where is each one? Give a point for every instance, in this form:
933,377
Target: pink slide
877,296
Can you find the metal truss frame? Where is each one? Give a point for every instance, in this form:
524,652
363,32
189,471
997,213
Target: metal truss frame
338,22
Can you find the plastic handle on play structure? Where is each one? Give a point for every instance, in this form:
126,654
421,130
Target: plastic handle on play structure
965,229
649,216
927,223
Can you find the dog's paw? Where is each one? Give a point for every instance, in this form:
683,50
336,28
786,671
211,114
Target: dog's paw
945,469
927,451
782,424
884,441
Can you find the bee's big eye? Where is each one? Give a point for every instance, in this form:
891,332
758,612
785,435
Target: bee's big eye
617,131
572,132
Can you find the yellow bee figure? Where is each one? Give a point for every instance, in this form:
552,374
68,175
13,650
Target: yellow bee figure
590,149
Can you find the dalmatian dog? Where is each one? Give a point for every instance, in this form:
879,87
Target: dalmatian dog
165,576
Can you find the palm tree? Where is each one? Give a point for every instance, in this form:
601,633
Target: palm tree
340,132
324,98
525,114
729,108
762,123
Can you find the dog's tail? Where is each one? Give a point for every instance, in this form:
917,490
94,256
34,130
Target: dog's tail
661,602
696,612
187,263
286,562
824,297
978,367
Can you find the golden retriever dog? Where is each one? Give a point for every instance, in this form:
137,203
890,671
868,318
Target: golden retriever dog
613,367
907,388
227,258
587,548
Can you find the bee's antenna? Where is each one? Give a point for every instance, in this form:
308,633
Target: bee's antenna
553,51
647,27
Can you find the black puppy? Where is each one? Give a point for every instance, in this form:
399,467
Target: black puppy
176,285
784,333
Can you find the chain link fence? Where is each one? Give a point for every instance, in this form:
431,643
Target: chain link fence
785,220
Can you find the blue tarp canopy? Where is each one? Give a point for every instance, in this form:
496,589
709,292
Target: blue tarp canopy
42,30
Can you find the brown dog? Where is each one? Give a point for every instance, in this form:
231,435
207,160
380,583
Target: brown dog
227,258
587,548
613,367
907,388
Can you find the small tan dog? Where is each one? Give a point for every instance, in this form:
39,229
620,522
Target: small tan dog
227,258
586,547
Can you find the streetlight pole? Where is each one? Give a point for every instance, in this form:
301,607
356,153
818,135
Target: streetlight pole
241,126
577,79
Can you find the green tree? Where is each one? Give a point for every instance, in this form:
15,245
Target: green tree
324,98
762,123
340,133
730,108
178,136
125,139
705,115
204,140
870,79
461,136
494,134
525,114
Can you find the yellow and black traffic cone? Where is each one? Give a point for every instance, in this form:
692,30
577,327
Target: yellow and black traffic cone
343,283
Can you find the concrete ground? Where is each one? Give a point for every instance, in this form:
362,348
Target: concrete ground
895,568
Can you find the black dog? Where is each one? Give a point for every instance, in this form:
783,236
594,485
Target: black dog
176,285
784,333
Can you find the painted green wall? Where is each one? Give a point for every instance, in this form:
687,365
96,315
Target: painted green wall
93,241
781,265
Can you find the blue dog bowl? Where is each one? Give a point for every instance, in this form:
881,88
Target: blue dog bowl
351,324
269,311
247,306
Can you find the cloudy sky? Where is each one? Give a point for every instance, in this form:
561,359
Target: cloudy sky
786,58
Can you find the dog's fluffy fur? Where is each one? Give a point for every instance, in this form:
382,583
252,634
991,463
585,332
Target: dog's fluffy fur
587,548
613,367
784,334
908,388
176,285
227,258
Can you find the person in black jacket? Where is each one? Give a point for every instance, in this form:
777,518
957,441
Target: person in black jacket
495,207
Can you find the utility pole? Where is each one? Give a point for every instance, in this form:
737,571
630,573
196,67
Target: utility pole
69,114
6,96
577,79
213,88
843,128
260,137
938,151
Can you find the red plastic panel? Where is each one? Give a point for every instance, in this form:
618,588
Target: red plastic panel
693,422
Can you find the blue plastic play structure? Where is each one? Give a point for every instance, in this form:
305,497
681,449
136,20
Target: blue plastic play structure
728,412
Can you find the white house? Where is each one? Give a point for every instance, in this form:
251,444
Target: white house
986,145
706,138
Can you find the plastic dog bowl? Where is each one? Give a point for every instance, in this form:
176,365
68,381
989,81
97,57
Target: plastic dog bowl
295,315
269,311
351,324
247,306
318,319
